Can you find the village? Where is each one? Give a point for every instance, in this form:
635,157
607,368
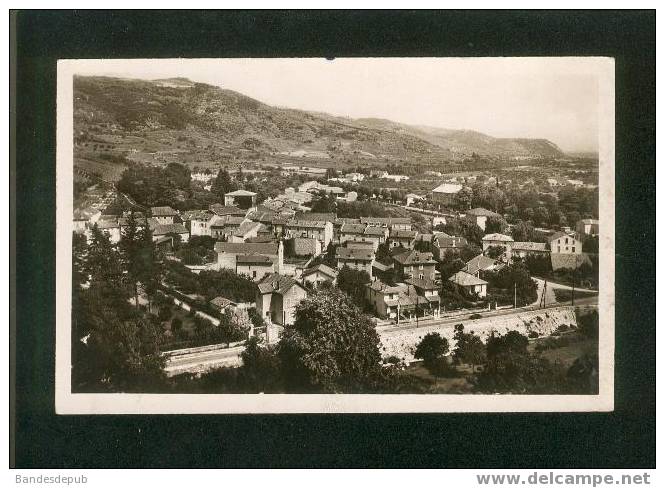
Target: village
435,263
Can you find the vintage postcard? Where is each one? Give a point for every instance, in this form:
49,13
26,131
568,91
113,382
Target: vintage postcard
366,235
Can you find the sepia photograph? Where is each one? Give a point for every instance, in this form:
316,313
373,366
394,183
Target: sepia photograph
259,235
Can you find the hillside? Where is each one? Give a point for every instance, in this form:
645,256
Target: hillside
177,120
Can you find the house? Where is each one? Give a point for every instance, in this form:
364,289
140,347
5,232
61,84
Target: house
412,198
375,235
524,249
319,274
277,298
228,253
84,217
111,228
392,223
248,230
224,226
469,284
561,243
305,246
355,258
322,231
427,289
403,238
254,266
160,232
501,240
480,216
197,221
383,299
222,210
351,232
308,185
220,304
415,264
480,264
241,198
163,215
377,173
445,193
587,227
443,243
402,299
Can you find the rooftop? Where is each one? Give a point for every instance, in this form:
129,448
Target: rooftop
529,246
463,278
414,257
162,212
240,193
423,284
479,263
497,237
447,188
275,283
481,212
270,248
352,228
327,270
163,229
354,253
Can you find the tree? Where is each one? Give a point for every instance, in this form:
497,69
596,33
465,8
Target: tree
511,368
431,348
463,198
331,347
495,225
223,184
261,368
523,232
469,348
352,282
495,252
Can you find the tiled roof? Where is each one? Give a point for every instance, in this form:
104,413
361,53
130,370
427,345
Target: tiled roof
221,302
247,227
275,283
269,249
465,279
403,234
375,231
107,224
219,209
481,212
327,270
309,224
195,215
163,229
352,229
253,259
382,287
316,216
240,193
424,284
444,241
354,253
479,263
497,237
447,188
162,212
529,246
414,257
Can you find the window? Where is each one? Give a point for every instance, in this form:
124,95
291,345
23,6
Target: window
566,240
253,274
573,248
421,276
558,249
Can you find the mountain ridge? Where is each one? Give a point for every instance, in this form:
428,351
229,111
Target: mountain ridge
158,114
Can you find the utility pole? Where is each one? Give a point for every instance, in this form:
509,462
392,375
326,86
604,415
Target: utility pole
515,296
572,294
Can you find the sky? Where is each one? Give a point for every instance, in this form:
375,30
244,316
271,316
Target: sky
551,98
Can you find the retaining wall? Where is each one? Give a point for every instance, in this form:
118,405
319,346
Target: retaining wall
402,343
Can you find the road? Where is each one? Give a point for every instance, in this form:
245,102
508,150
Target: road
204,360
495,313
199,361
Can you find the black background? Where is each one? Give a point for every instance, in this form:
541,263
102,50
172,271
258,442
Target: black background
622,439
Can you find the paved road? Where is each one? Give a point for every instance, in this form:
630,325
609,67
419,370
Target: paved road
465,318
203,360
231,357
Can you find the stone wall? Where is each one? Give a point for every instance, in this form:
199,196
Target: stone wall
402,343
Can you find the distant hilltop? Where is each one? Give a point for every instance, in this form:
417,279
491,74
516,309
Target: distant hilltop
178,115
